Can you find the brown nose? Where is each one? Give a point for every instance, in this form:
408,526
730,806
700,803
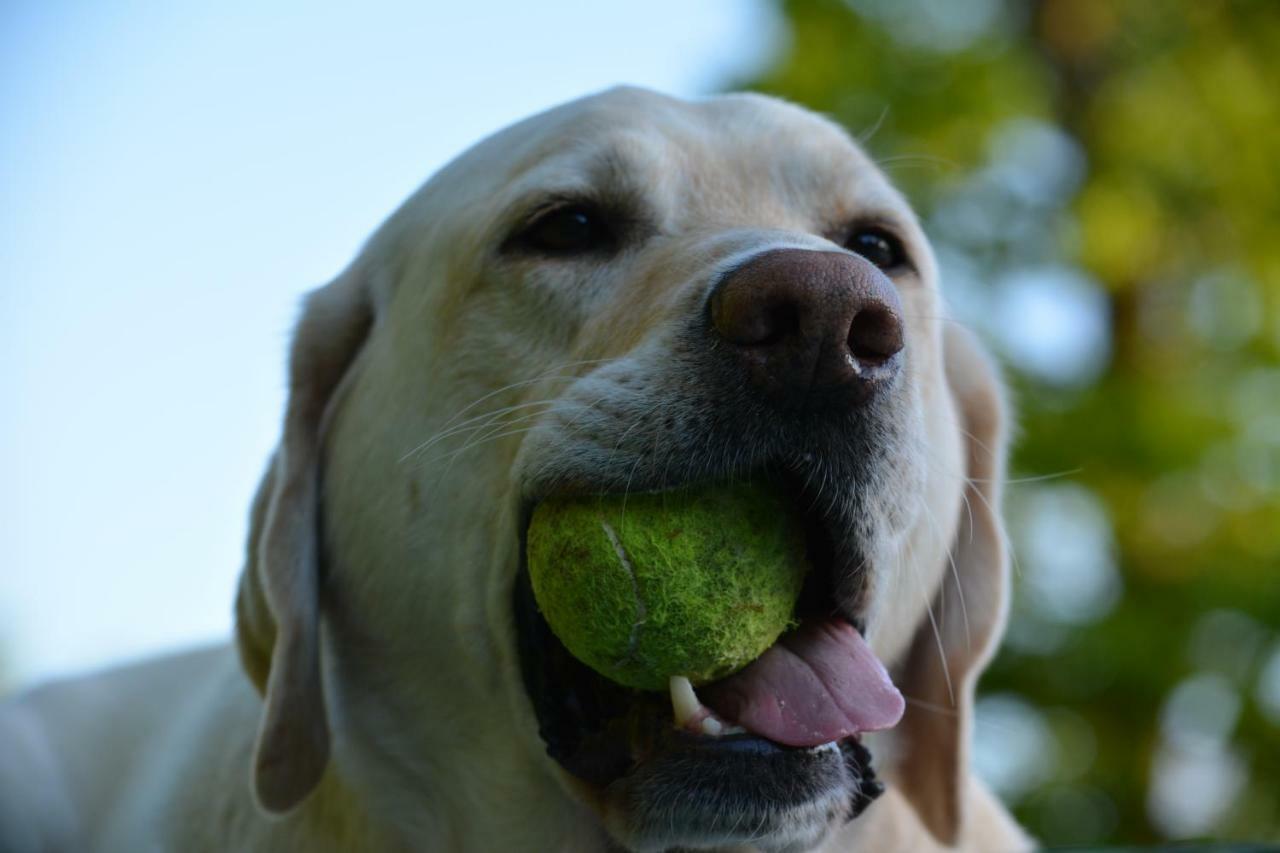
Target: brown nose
807,323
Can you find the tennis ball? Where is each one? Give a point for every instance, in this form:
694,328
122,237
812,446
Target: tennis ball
696,582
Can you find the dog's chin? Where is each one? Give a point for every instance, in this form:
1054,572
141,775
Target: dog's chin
706,793
657,787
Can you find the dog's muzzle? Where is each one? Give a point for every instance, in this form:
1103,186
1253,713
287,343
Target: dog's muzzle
798,355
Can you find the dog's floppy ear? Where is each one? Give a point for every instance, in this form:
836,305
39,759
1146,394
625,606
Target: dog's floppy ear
278,604
945,660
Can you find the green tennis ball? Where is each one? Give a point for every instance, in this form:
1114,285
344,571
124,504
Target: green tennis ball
696,582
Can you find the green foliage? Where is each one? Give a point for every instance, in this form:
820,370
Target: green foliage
1124,155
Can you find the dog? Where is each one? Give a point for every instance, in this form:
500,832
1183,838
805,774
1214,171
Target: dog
629,292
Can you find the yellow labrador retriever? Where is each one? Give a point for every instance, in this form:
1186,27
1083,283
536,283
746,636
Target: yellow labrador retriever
628,292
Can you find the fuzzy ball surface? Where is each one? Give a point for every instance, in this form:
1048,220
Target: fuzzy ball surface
696,582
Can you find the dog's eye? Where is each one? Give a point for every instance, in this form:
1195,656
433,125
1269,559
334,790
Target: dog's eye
878,246
570,230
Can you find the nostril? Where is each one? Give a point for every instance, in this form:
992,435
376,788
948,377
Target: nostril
875,335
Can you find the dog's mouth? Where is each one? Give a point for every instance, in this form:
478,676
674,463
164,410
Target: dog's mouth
750,751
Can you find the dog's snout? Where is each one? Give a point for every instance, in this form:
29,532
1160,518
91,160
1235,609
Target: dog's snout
805,322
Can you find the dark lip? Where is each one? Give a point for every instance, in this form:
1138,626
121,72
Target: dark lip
601,732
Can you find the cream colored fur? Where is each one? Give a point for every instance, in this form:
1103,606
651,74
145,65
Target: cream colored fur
374,702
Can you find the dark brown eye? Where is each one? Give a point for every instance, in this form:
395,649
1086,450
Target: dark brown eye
572,230
878,246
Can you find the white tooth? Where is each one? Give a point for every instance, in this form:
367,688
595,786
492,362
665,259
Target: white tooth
684,702
711,726
733,730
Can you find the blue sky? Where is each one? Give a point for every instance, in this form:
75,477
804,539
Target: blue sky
175,176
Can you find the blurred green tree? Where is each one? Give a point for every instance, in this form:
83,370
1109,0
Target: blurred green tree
1102,182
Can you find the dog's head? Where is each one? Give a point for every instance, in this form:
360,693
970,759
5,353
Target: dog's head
628,292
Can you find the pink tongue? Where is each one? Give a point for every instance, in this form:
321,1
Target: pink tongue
817,684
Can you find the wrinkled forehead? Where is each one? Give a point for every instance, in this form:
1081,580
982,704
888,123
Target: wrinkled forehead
735,159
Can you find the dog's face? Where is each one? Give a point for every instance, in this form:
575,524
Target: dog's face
628,293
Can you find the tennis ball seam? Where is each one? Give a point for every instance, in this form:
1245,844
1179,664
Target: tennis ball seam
642,612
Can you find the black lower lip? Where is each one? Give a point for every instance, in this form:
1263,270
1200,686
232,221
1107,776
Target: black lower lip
708,785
